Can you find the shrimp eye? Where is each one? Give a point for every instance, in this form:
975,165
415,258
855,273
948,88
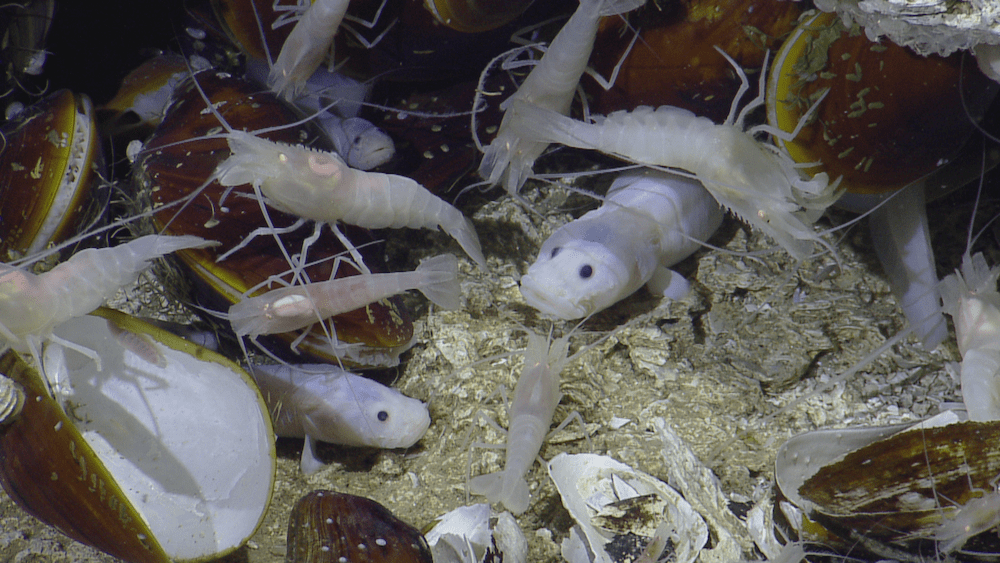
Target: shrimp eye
586,271
555,251
382,416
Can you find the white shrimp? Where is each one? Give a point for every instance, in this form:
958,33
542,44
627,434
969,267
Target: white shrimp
32,305
536,396
551,84
319,186
759,184
326,403
298,306
650,220
970,296
306,47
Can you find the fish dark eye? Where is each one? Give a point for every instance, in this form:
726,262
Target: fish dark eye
555,251
586,271
382,416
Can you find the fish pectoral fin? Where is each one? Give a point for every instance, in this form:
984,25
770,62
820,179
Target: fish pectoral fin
310,463
668,283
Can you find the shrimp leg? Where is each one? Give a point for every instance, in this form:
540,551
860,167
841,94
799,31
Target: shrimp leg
320,186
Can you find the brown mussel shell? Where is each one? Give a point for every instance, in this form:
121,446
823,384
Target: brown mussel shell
331,527
138,106
177,161
674,61
890,116
113,469
50,164
888,489
250,25
48,468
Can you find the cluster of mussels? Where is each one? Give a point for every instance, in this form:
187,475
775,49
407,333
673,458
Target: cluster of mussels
147,429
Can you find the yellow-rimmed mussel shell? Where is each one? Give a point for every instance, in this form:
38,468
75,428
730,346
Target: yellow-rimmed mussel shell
49,165
889,116
164,453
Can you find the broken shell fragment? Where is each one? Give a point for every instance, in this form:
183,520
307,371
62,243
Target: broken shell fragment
470,534
619,511
116,458
332,527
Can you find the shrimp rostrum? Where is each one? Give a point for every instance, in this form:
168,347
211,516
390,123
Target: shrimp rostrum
758,183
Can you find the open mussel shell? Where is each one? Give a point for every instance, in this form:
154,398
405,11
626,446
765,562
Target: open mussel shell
177,162
889,489
50,163
332,527
164,454
889,117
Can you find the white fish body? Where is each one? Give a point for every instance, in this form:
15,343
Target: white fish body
326,403
649,221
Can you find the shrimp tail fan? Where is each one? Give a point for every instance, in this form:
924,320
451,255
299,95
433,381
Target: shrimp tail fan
442,286
975,277
513,493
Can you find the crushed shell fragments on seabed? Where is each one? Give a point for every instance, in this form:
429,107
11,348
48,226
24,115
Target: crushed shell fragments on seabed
619,511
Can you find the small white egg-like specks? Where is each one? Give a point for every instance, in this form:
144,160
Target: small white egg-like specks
381,542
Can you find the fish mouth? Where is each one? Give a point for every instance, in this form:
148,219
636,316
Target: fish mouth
554,305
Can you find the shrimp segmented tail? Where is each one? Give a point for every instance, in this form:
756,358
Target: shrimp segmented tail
320,186
760,186
306,47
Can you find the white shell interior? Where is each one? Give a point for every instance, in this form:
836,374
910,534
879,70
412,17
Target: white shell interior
589,483
188,440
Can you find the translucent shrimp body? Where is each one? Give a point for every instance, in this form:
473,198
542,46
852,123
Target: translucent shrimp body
319,185
649,221
326,403
306,47
32,305
295,307
970,296
758,184
551,85
536,396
